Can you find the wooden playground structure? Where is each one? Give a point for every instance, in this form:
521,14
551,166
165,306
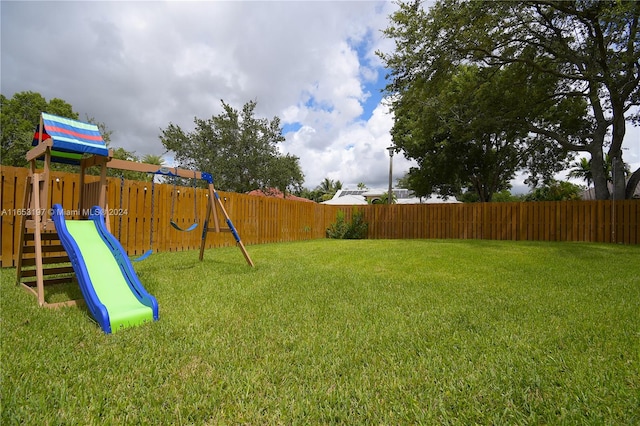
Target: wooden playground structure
42,259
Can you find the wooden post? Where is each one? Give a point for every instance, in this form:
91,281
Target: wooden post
205,225
38,237
81,185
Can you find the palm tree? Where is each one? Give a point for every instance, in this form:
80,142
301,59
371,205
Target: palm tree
328,188
582,170
385,198
153,159
156,160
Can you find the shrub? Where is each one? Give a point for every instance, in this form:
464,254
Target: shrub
339,228
358,228
342,229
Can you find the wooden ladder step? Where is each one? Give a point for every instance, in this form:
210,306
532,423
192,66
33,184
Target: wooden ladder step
31,261
50,281
45,236
49,271
53,248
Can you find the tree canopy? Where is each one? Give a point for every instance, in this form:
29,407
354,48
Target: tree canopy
19,117
555,191
238,149
465,130
574,68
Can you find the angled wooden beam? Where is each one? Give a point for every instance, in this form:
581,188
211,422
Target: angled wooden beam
39,150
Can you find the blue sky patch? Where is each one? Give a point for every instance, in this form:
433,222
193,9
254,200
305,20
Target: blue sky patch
375,94
372,88
291,127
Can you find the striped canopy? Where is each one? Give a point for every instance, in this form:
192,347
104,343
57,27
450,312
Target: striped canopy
71,138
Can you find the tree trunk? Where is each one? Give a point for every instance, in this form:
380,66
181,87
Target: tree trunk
599,175
481,189
615,151
618,177
596,148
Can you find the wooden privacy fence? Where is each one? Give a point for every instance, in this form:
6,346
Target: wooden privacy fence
140,214
589,221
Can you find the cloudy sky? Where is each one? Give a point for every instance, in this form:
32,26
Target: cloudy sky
137,66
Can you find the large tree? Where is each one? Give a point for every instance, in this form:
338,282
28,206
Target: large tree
590,48
464,128
240,150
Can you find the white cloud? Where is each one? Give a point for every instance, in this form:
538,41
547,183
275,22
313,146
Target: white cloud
356,154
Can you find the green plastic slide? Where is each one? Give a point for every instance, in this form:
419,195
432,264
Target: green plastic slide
107,278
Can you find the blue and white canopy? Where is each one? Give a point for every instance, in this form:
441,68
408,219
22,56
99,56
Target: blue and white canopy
71,138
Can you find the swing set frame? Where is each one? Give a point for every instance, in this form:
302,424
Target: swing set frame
214,204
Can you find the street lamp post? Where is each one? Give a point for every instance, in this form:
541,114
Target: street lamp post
391,150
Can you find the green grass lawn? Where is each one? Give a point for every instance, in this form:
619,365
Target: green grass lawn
335,331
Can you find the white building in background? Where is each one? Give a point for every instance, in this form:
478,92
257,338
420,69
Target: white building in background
350,197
